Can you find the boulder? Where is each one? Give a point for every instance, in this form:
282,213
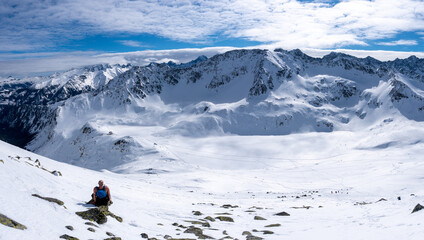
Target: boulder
67,237
93,214
11,223
417,208
282,214
224,219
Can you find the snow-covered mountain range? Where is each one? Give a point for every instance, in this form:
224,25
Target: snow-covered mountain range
71,116
250,144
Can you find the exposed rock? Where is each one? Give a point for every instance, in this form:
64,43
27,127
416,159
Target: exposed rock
67,237
282,214
226,237
110,234
144,235
197,213
259,218
49,199
417,208
267,232
223,213
204,224
91,229
11,223
382,199
70,228
1,161
274,225
247,233
224,219
113,238
93,214
229,206
91,224
105,211
198,232
210,218
251,237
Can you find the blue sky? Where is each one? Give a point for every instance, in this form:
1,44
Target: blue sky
43,30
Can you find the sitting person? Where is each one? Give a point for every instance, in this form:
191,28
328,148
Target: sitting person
101,195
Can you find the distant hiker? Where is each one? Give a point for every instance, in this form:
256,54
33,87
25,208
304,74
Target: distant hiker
101,195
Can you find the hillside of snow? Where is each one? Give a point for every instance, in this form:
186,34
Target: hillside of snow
354,185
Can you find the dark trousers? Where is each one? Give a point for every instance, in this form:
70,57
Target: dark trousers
101,201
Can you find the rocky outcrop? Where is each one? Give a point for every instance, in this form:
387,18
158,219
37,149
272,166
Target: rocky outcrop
98,215
67,237
93,214
11,223
49,199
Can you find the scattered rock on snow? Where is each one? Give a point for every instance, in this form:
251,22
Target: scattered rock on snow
224,219
67,237
251,237
11,223
204,224
49,199
210,218
274,225
197,213
229,206
282,214
417,208
198,232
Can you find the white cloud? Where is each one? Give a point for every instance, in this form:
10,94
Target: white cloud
399,42
289,23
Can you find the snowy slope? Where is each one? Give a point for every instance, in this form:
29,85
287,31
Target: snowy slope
329,183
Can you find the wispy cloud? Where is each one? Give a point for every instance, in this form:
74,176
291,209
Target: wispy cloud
132,43
399,42
289,23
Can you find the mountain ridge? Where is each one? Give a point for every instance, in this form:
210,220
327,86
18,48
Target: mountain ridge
242,92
